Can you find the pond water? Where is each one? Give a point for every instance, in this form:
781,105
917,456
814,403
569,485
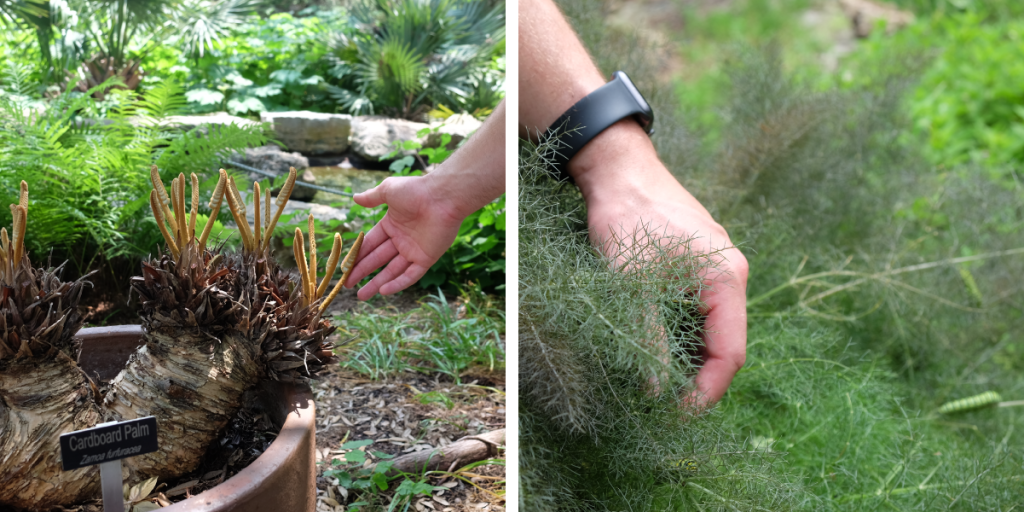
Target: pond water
340,177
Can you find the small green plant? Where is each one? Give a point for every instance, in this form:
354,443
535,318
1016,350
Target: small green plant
370,482
377,357
436,397
462,338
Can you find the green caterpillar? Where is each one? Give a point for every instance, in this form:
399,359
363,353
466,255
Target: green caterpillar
972,402
687,464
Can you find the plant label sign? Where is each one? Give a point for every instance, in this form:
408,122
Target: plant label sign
108,442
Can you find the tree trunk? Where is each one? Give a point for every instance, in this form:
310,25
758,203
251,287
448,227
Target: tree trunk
39,401
193,383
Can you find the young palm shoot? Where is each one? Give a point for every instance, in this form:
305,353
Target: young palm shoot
256,238
298,349
294,347
198,355
43,392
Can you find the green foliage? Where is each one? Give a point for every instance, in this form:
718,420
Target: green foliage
351,474
713,36
992,9
863,323
436,337
433,397
477,255
266,64
861,320
968,103
594,434
89,181
69,32
396,58
410,56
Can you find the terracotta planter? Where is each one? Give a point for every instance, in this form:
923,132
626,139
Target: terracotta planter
283,478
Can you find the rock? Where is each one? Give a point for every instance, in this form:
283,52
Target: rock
864,14
458,126
270,158
311,132
373,137
216,118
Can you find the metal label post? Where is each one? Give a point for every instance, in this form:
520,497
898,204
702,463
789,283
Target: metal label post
106,444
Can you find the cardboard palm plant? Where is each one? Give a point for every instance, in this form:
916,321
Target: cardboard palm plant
215,324
43,393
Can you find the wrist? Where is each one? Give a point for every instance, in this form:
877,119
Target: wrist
620,160
453,194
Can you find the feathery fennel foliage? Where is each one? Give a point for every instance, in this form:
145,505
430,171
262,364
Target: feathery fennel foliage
597,433
89,172
879,289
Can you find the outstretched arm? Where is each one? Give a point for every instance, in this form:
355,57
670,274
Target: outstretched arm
425,212
626,185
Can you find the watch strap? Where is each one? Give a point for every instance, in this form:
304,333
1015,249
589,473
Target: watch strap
590,116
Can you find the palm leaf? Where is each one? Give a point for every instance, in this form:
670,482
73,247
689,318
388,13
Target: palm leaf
201,23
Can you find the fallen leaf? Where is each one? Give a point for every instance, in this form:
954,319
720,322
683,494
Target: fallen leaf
180,489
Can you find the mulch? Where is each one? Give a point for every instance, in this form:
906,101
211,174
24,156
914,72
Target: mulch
392,414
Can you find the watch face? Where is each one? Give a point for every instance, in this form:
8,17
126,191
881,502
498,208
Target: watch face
646,117
633,90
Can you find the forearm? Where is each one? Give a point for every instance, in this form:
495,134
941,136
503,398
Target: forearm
555,71
475,174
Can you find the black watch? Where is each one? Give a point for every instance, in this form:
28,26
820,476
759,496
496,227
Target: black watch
590,116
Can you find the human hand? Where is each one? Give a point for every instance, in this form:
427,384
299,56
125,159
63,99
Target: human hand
425,212
417,229
625,186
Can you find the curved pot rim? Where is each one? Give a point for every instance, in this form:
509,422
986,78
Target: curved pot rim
277,472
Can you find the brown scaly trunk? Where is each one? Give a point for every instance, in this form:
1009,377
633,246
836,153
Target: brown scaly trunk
197,359
39,401
189,380
203,321
43,393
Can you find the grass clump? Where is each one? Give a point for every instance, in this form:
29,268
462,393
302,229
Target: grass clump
450,338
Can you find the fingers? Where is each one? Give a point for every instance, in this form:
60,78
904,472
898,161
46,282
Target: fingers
410,276
374,197
377,250
726,330
394,269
